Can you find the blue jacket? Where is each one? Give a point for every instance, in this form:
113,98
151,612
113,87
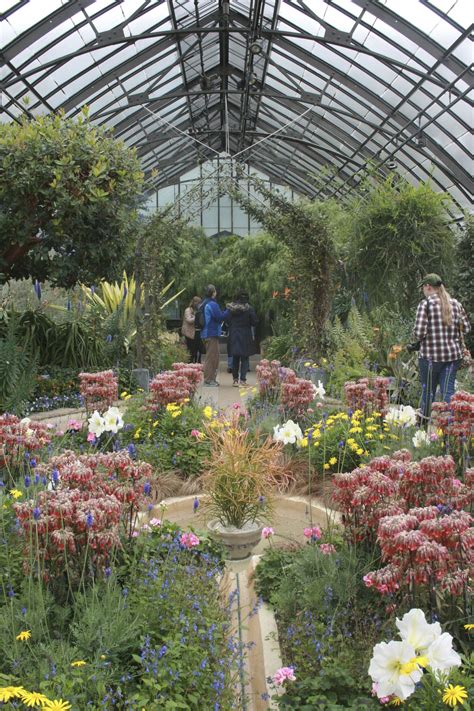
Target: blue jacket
213,319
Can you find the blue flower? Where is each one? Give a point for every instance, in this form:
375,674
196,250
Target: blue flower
55,476
36,513
89,520
195,504
27,481
147,488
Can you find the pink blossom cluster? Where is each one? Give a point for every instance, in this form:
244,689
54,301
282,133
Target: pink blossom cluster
189,539
192,371
94,496
313,533
62,527
369,395
268,376
389,486
99,390
283,674
281,384
168,387
456,419
20,436
425,547
297,394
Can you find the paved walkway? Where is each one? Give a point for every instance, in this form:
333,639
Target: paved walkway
223,396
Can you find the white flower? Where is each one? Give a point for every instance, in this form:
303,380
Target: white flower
25,421
415,630
441,655
113,420
96,424
403,416
387,670
288,433
420,439
319,390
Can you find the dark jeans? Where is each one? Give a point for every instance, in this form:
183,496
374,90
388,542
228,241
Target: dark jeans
195,348
432,374
241,362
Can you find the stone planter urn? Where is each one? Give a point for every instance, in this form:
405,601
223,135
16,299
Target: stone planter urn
238,542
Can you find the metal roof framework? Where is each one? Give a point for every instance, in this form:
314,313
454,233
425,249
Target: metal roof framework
294,88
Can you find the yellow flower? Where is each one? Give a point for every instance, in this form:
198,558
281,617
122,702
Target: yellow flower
381,436
207,412
33,698
359,451
316,444
469,627
156,423
123,395
355,429
324,361
79,663
333,461
15,493
371,428
137,433
396,701
307,364
23,636
176,413
304,442
10,692
454,695
326,466
57,705
369,419
171,407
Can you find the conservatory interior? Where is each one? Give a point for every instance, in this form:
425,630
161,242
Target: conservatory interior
236,384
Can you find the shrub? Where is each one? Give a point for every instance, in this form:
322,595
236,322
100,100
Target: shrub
98,390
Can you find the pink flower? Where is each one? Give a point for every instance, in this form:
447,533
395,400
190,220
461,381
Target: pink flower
189,540
313,533
267,532
195,433
368,582
319,404
236,406
283,674
134,533
91,437
456,483
327,548
154,522
74,425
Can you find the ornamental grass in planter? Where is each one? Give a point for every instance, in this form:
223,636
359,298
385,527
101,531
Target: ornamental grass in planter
239,482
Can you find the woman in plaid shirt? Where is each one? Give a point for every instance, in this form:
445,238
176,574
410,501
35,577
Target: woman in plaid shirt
440,319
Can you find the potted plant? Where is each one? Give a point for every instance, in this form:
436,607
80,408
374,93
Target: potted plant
238,486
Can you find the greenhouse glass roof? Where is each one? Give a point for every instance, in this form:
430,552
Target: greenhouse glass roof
294,88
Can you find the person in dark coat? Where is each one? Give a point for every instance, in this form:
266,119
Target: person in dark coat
241,320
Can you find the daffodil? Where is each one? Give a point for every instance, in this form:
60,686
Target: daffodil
23,636
454,695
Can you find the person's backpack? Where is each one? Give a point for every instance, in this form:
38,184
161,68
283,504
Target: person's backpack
199,317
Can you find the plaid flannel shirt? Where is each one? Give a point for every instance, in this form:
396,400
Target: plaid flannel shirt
440,343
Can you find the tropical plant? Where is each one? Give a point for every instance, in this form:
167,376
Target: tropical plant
241,476
68,195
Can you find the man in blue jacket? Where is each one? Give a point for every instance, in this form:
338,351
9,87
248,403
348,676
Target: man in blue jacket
210,333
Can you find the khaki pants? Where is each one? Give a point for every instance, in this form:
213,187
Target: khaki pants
211,360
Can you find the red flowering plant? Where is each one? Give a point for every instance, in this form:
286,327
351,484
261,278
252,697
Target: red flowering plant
413,511
281,386
192,371
21,444
454,422
78,523
98,390
369,395
169,387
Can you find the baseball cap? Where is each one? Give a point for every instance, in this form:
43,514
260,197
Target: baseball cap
431,280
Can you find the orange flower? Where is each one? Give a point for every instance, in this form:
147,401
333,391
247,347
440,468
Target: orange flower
287,292
275,294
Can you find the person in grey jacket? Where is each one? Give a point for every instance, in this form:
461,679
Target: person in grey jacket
241,319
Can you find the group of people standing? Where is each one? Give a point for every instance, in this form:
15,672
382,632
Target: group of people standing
202,328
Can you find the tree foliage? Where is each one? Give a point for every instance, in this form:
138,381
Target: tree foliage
68,193
464,276
399,233
306,228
